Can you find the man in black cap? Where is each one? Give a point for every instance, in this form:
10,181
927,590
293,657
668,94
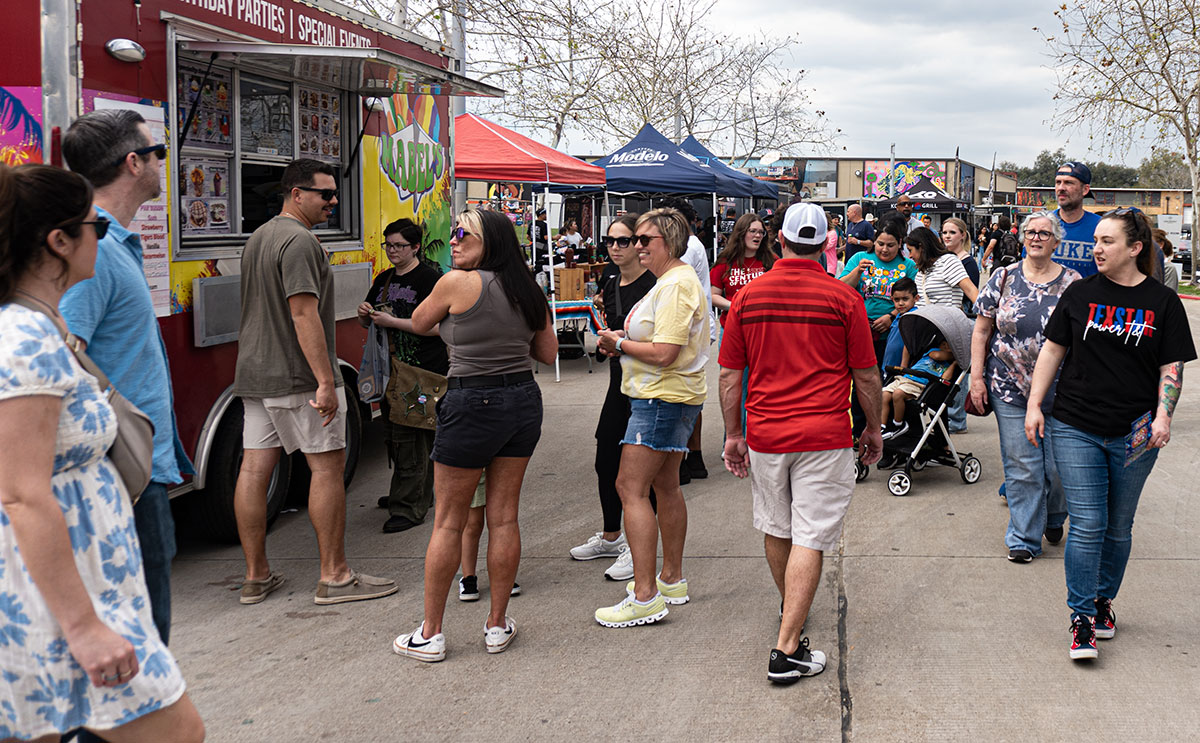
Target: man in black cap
1072,182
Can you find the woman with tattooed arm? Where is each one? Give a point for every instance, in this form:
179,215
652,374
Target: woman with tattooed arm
1122,340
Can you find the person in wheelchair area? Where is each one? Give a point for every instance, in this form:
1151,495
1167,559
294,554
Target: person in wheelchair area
938,361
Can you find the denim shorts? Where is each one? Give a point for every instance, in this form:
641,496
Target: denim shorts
477,424
660,425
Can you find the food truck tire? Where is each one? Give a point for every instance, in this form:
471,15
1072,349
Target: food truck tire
211,509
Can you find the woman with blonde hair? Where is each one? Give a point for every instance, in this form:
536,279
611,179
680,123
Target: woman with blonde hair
663,349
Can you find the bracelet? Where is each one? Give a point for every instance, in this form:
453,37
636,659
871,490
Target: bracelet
618,344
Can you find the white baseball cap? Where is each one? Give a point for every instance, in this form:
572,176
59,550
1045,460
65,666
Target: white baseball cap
802,217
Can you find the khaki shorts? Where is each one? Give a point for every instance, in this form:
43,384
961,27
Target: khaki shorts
802,496
910,387
479,500
290,422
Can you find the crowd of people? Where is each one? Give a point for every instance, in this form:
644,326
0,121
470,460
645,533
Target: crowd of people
1078,347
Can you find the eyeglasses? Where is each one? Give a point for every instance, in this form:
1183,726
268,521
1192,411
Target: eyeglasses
1038,235
395,246
159,150
644,240
458,233
100,224
326,194
756,232
620,242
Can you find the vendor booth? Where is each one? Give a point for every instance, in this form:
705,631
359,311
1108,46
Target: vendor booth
486,151
756,189
928,198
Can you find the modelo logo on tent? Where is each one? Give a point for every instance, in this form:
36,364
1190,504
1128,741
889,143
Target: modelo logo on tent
640,156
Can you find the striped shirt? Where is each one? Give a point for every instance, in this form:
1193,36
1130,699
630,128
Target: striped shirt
800,331
939,285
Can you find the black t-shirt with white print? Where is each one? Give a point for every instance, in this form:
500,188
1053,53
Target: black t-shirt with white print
1117,337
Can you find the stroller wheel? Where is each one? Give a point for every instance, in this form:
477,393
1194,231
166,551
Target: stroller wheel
860,471
971,470
899,483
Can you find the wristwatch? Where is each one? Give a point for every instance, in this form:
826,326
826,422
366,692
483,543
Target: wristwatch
618,345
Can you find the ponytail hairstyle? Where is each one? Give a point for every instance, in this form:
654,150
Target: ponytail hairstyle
1136,227
923,239
35,200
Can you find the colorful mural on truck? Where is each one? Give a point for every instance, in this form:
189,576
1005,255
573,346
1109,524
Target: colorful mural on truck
878,174
20,125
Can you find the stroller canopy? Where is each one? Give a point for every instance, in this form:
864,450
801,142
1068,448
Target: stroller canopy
925,327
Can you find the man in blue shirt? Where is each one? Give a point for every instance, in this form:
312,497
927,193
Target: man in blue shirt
112,313
860,234
1072,182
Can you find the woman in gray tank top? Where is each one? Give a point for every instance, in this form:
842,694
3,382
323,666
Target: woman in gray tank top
493,318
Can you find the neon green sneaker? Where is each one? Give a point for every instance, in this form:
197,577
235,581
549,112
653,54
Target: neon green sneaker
629,613
672,593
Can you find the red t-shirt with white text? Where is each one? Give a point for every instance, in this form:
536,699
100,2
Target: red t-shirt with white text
729,278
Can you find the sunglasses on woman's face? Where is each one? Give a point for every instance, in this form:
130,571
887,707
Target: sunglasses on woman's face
620,242
100,224
644,240
458,233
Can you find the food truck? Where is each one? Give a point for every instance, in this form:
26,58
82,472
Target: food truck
237,89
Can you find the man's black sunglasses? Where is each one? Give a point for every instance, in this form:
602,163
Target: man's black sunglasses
326,194
160,151
620,242
100,224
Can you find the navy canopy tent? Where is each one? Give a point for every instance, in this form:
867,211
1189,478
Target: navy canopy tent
651,163
748,186
927,197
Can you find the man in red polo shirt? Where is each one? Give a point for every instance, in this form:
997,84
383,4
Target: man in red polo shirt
804,337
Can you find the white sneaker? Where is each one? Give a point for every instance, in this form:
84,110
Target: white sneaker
597,546
622,569
497,639
415,646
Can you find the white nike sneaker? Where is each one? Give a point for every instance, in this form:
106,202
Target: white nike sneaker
415,646
622,569
597,546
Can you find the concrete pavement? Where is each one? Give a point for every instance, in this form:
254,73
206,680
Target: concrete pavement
931,633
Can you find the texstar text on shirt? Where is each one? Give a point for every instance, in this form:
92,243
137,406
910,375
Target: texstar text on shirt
1128,321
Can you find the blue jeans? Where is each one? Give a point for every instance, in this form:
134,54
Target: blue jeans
156,534
1102,496
1035,494
956,411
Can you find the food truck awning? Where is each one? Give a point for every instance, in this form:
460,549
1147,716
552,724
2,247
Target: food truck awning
370,72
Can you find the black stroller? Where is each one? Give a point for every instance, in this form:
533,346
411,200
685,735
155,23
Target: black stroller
927,440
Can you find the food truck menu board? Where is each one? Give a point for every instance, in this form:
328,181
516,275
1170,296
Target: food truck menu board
213,101
320,117
204,186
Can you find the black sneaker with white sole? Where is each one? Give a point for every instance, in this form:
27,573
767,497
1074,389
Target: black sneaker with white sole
1020,556
468,588
788,669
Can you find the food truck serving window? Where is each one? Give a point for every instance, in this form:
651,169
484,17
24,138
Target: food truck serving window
244,125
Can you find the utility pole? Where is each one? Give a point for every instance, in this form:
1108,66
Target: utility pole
678,118
458,103
892,174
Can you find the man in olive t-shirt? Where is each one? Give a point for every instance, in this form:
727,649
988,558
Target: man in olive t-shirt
292,394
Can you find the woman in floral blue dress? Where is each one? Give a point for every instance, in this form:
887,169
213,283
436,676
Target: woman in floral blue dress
78,646
1013,308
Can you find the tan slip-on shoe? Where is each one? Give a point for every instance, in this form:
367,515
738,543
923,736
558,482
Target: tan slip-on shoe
256,591
358,587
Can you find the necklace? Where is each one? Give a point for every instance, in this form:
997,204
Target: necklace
39,300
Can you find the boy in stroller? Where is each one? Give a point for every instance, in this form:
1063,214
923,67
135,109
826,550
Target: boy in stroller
940,336
937,361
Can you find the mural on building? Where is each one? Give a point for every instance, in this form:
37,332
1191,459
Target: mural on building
20,125
877,175
1037,199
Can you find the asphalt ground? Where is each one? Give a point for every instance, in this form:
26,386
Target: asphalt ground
931,633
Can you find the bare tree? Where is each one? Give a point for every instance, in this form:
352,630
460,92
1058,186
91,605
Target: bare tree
1130,70
600,69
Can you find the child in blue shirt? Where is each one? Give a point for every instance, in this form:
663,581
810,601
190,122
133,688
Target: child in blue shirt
904,298
938,361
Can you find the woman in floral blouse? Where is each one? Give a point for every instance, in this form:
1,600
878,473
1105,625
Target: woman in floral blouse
1013,308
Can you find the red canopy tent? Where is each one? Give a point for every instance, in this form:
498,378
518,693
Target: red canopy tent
486,151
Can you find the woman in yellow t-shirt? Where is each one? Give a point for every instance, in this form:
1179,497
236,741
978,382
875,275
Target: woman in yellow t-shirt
663,350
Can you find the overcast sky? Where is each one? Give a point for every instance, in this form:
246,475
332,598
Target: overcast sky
930,77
